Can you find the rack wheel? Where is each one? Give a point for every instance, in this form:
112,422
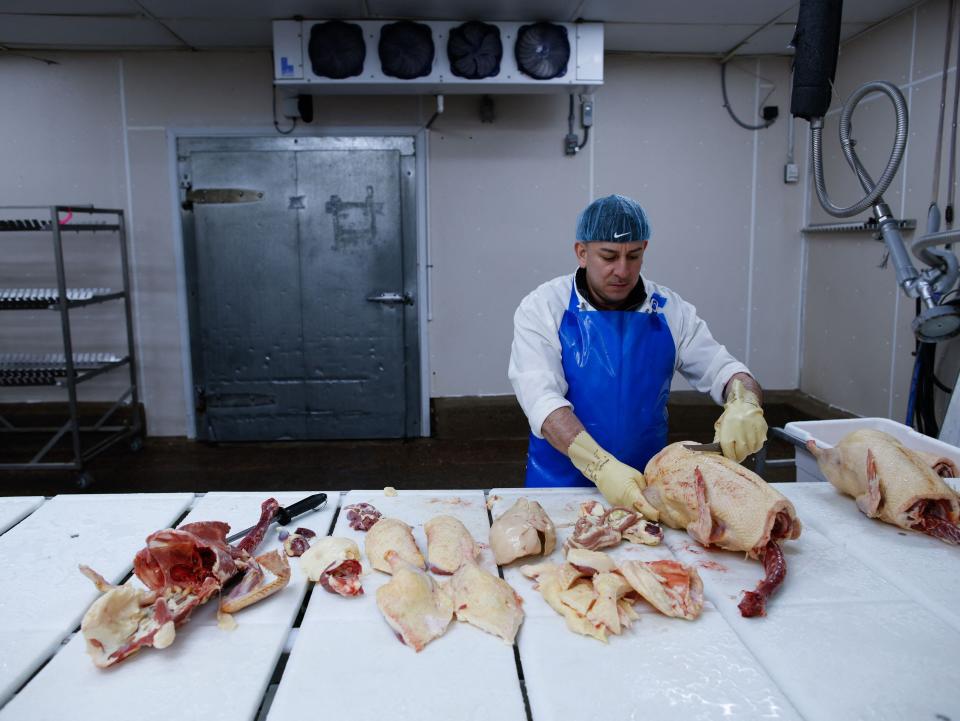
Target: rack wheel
84,480
136,445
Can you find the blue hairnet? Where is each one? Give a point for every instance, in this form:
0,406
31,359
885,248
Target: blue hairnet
613,219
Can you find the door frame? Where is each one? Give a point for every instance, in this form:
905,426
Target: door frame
416,263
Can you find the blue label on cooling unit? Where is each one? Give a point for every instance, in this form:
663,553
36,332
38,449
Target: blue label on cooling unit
285,67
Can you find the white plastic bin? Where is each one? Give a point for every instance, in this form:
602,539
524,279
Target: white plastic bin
829,433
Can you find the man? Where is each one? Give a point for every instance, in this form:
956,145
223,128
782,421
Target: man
593,356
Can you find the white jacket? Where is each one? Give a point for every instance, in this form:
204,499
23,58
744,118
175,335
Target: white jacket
536,371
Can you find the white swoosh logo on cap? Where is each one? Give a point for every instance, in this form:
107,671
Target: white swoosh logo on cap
620,235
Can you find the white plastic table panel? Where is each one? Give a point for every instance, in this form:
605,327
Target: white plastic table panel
357,670
415,508
661,668
923,568
562,505
22,651
876,661
195,678
818,571
14,509
47,593
242,510
43,552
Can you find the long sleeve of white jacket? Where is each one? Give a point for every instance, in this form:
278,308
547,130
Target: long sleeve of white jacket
536,369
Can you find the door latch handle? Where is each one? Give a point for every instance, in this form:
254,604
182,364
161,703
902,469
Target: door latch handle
391,298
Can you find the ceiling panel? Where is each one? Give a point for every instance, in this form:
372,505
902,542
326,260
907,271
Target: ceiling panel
682,26
100,33
873,11
233,33
247,9
775,40
699,12
69,7
557,10
667,38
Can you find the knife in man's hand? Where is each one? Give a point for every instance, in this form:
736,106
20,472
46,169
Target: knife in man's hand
283,516
703,447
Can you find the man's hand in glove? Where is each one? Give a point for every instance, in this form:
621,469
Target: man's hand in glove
620,484
741,429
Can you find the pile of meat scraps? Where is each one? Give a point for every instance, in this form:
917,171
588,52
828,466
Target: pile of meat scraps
596,596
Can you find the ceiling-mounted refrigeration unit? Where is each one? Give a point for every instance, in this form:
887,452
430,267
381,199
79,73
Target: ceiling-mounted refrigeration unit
436,57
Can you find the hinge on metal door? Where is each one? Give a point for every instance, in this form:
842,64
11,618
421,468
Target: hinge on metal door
220,196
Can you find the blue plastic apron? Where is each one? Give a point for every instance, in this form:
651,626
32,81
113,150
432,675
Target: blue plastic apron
618,366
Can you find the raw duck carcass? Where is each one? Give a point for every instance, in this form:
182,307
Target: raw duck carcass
892,483
941,465
486,601
182,568
449,544
334,563
391,534
416,608
721,503
524,529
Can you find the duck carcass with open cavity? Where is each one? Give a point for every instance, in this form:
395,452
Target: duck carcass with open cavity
892,483
721,503
524,529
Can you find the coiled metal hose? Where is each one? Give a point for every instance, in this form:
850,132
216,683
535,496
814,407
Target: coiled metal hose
874,190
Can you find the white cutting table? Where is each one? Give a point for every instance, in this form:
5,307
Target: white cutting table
865,627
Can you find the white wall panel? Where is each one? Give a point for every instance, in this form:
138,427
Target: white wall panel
858,343
503,199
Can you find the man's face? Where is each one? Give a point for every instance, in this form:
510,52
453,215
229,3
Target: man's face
613,269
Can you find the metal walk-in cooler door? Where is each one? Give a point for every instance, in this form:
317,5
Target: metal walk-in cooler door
300,291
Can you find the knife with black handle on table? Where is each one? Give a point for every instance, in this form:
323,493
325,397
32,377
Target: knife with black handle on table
283,516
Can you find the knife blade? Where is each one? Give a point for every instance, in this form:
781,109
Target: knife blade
703,447
283,516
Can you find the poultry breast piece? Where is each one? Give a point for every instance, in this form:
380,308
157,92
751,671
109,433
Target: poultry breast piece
449,544
486,601
391,534
524,529
892,483
721,503
412,603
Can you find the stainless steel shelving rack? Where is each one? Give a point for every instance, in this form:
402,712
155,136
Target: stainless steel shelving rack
68,369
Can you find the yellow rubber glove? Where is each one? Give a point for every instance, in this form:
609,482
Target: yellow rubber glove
741,429
620,484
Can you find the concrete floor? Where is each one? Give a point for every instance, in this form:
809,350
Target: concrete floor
477,443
